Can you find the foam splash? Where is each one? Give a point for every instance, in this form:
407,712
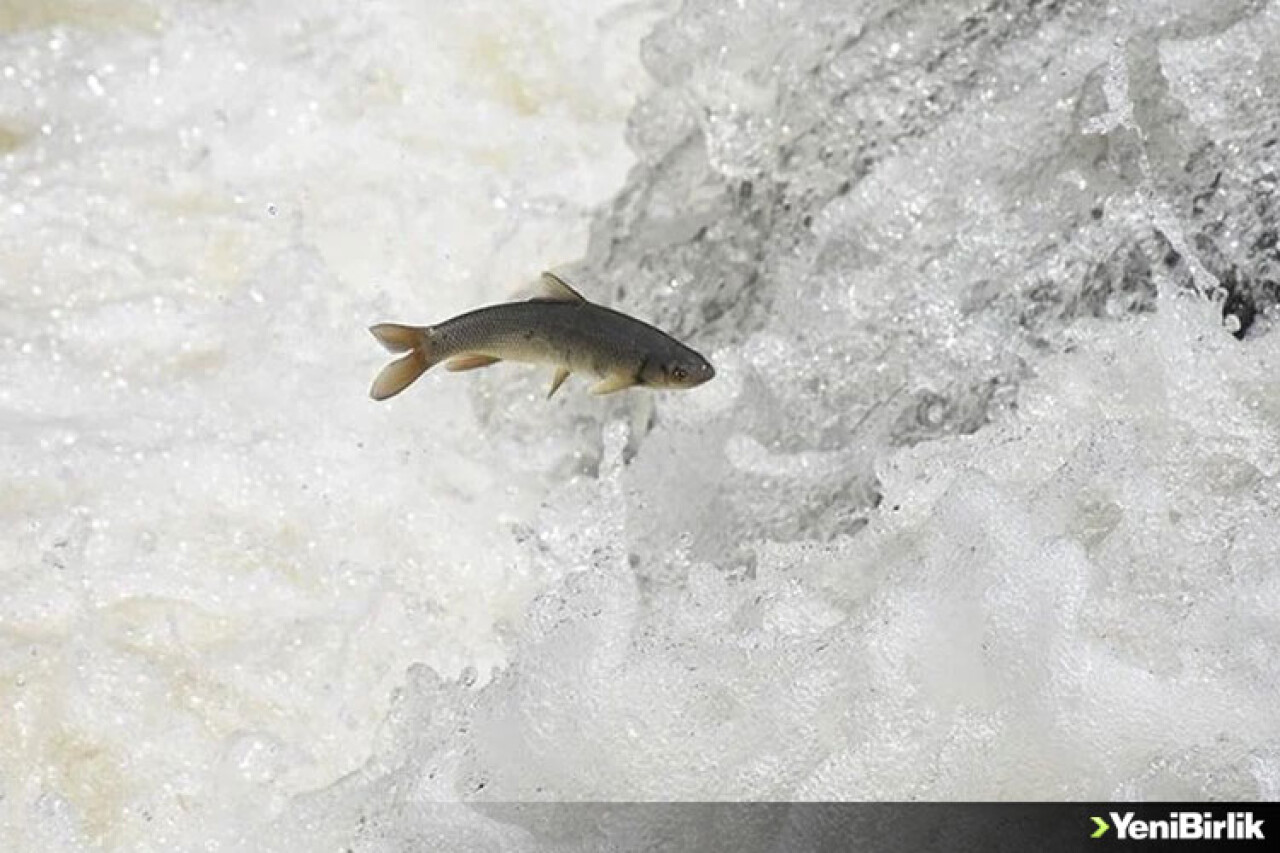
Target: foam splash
980,503
218,556
978,506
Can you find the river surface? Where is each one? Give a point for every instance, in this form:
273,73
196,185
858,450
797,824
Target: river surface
983,503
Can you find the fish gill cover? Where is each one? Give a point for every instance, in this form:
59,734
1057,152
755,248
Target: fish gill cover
983,502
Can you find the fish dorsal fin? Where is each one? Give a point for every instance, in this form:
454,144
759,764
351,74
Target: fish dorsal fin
552,288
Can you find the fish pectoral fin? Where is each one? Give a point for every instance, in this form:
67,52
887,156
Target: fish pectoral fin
470,362
562,373
613,382
552,288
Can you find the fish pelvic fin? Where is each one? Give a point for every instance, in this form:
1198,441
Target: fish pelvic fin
562,373
401,373
552,288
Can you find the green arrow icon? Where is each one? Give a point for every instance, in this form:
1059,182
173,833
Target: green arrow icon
1103,826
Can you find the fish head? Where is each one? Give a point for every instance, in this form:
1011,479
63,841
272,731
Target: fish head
676,367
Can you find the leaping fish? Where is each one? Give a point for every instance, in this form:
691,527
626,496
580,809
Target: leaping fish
560,328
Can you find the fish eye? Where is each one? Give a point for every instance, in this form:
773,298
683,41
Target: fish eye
679,374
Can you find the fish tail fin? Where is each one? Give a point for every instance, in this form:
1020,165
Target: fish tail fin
397,338
401,373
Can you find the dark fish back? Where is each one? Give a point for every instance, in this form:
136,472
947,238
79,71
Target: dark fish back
579,327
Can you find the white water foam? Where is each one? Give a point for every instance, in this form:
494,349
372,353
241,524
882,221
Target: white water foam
981,503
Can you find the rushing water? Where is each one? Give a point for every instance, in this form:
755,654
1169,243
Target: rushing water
982,503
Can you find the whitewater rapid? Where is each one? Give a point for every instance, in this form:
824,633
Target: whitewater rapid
981,504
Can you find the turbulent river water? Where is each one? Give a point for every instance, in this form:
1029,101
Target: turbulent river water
982,503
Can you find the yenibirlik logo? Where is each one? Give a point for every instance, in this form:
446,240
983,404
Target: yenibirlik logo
1183,826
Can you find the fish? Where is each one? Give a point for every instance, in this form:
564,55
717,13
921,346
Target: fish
558,327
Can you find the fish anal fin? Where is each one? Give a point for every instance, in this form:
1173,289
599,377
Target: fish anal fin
552,288
470,361
562,373
613,382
